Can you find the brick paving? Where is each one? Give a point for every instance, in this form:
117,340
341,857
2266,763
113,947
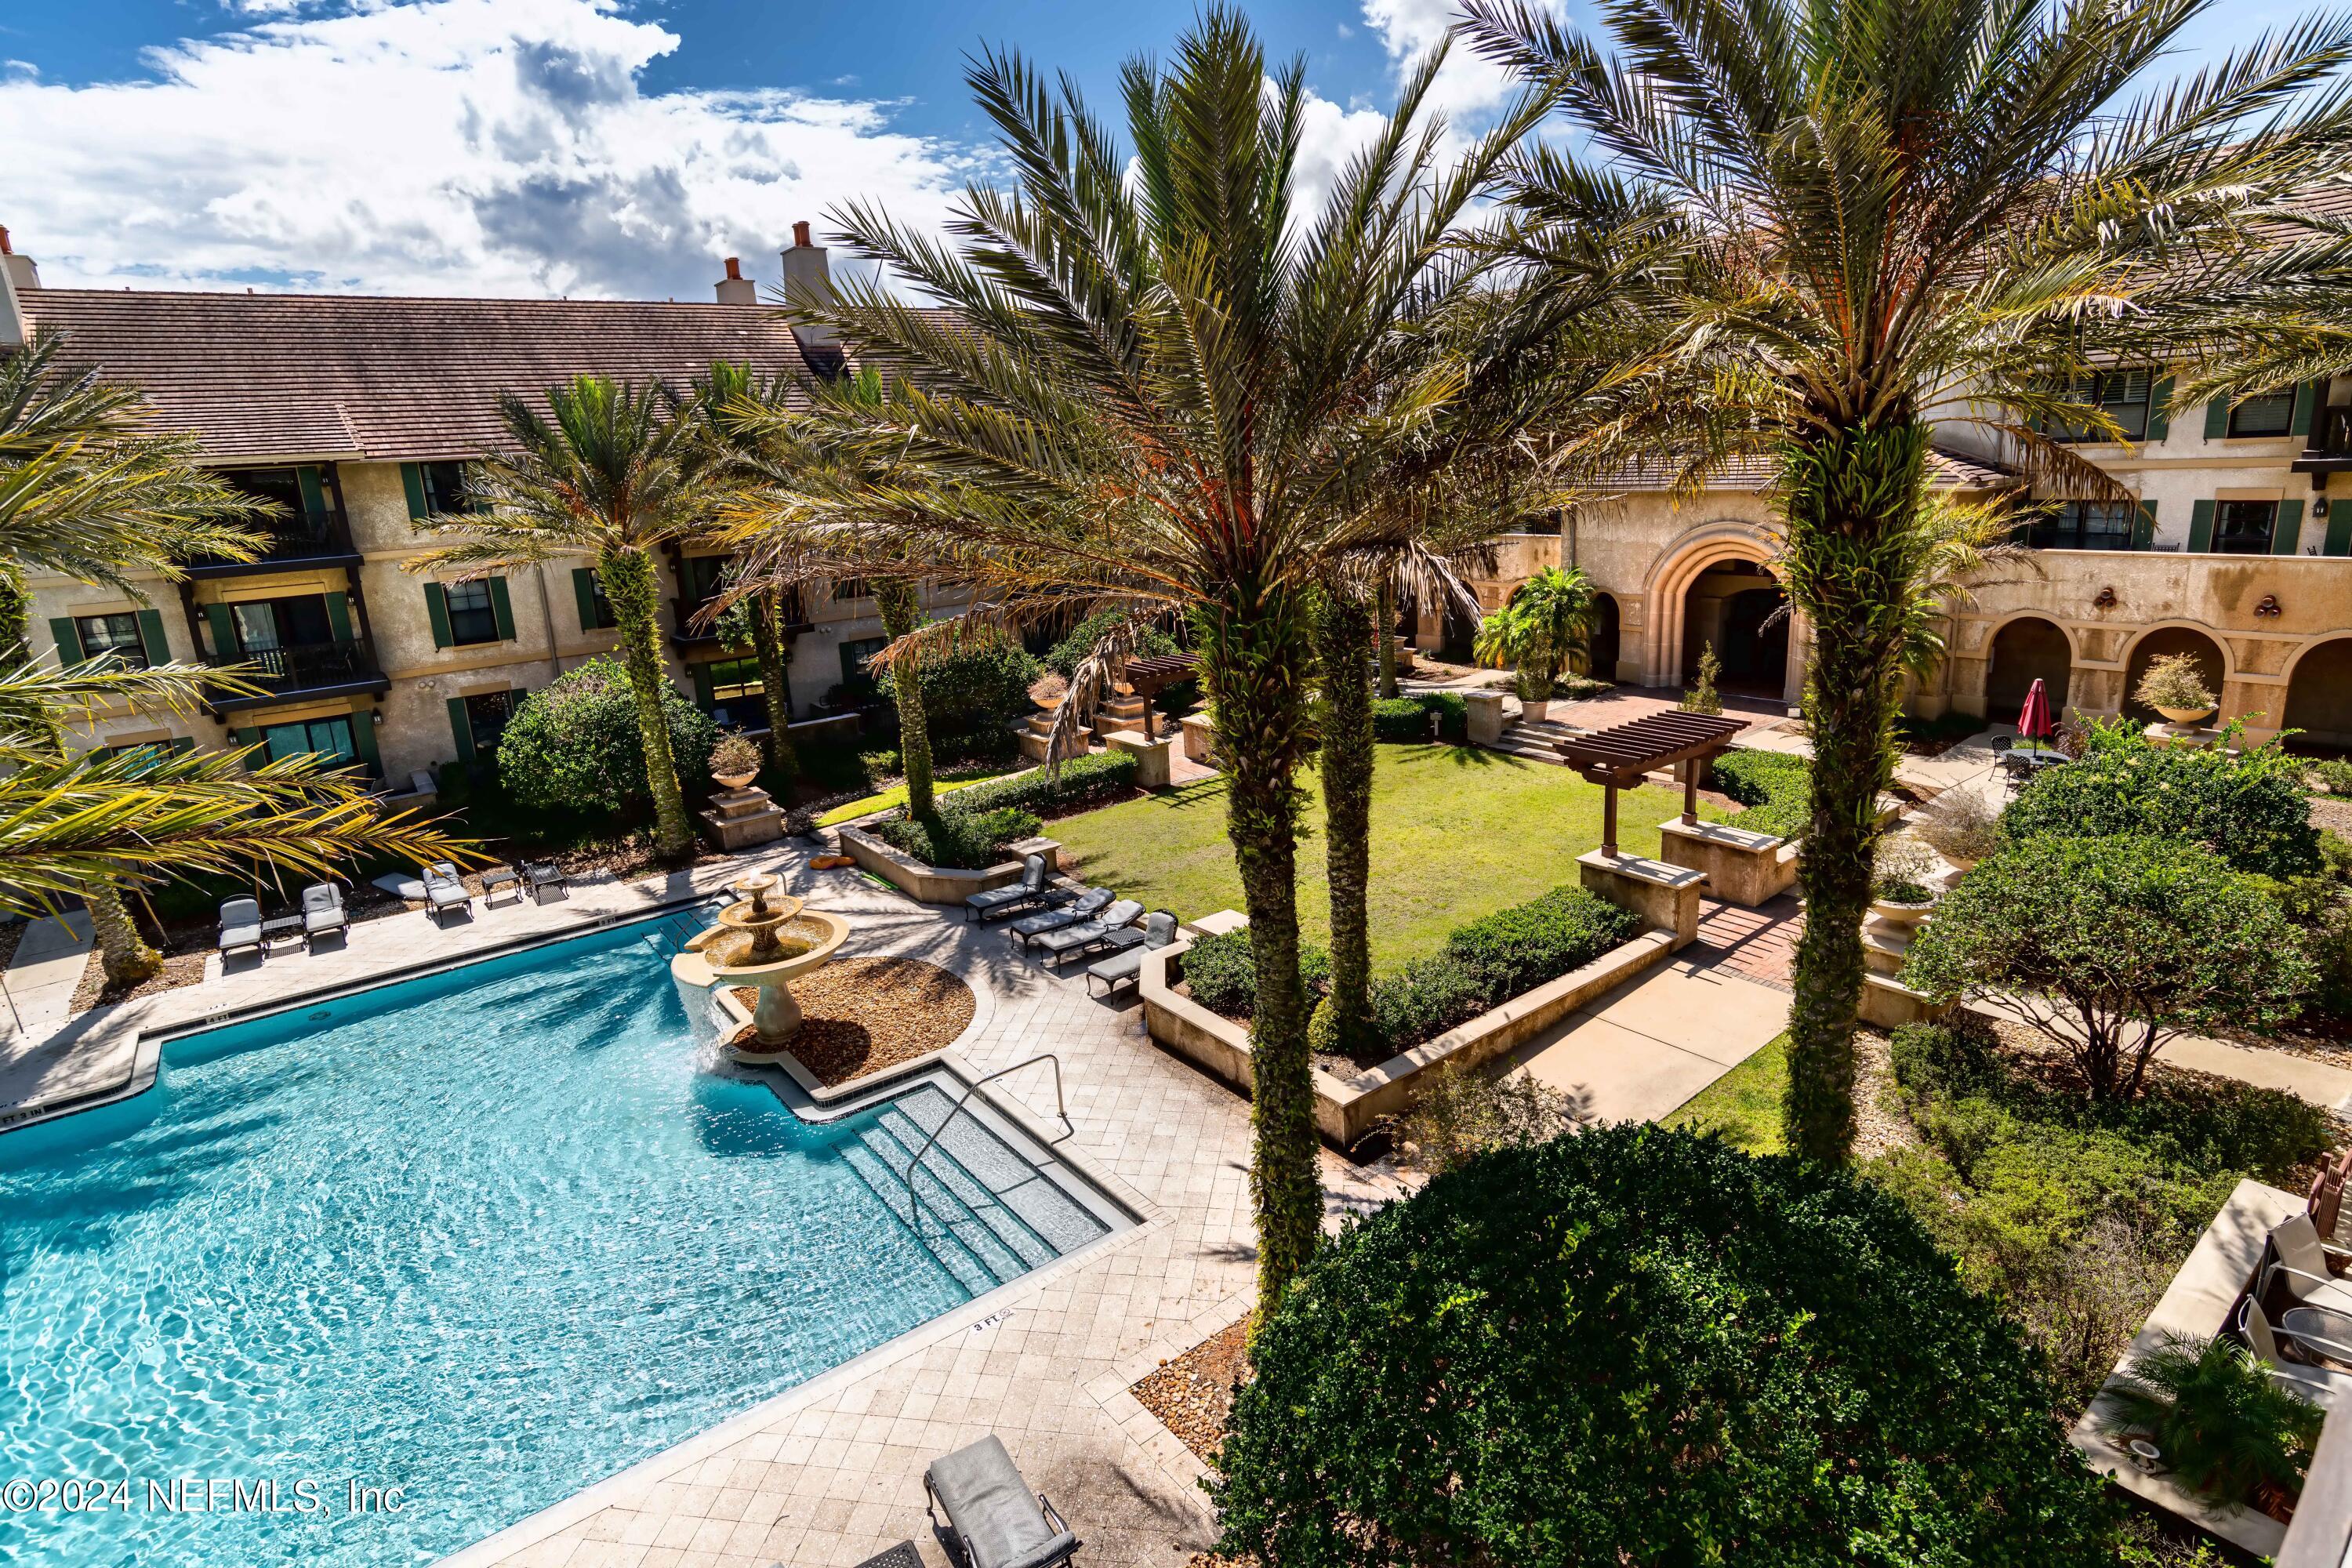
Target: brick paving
1624,704
1760,943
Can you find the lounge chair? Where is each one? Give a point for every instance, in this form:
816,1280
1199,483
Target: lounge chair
444,891
993,1518
542,875
323,911
2301,1267
1087,935
1158,930
2321,1386
240,926
1084,906
1004,900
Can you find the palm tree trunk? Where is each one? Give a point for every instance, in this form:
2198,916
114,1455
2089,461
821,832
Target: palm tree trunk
1344,630
628,579
1386,612
1253,664
1850,497
901,613
126,956
768,649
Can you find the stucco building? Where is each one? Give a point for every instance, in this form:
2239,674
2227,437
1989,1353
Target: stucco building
357,414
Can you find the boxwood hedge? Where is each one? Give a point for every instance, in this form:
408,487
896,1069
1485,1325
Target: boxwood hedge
1774,786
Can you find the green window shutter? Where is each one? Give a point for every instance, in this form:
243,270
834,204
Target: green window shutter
411,479
182,743
2286,527
339,616
502,609
2306,396
2201,527
151,637
584,592
462,728
364,739
250,737
68,639
2339,529
437,609
2217,419
2144,531
705,690
2159,410
314,493
223,623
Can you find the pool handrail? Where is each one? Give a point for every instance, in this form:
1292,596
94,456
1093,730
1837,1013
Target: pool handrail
1061,1110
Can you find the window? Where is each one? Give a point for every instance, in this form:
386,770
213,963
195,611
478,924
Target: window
330,738
487,713
472,618
445,488
852,588
115,636
283,486
595,610
2123,396
2082,525
736,698
698,576
2271,414
853,654
2243,527
267,626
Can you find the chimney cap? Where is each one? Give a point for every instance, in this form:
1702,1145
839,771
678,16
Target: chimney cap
735,267
3,241
801,232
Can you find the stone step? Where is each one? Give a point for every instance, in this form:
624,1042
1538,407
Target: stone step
1884,947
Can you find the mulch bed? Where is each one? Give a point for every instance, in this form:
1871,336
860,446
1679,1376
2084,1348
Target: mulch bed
1193,1394
179,969
2332,813
859,1016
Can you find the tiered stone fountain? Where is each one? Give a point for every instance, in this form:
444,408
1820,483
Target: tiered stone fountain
765,940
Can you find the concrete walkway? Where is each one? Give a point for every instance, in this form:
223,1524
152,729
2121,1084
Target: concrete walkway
1642,1050
45,972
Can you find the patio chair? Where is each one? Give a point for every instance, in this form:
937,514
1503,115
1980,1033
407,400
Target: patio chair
323,911
543,876
444,891
2301,1267
1158,930
1004,900
1087,935
993,1518
2321,1386
240,925
1084,906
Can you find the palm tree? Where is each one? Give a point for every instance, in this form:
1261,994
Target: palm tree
1544,629
1886,209
614,472
1164,388
89,489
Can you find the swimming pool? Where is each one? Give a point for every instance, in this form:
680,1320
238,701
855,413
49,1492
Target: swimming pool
468,1243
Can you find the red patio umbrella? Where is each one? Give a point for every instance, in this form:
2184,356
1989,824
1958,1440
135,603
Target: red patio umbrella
2034,723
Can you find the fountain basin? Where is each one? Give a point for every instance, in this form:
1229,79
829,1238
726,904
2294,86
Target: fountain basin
809,940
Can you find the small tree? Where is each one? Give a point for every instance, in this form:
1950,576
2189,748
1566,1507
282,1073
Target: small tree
575,744
1634,1345
1703,697
1542,631
2111,946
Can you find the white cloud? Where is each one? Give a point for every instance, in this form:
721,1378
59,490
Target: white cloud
440,147
1468,89
1329,135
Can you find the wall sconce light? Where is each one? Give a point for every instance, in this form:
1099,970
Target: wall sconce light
2319,505
2269,606
2106,601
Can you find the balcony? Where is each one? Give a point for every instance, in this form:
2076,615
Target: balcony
690,631
2330,451
290,540
304,670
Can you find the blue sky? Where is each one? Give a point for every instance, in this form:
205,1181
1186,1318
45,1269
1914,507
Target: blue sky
609,147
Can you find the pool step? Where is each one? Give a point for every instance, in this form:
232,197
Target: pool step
1024,1197
940,1236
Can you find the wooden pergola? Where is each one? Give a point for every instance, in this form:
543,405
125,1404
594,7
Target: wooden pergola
1148,678
1621,754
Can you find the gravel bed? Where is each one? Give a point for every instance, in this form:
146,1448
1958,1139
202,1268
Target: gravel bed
859,1016
1193,1394
1879,1125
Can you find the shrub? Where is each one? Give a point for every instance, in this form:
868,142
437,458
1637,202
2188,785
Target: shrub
960,840
1493,959
1900,869
972,698
1960,825
1222,972
1406,719
1638,1345
1776,788
2224,1425
2172,681
1463,1111
1079,641
1079,782
1703,697
2249,807
2333,775
573,745
2111,944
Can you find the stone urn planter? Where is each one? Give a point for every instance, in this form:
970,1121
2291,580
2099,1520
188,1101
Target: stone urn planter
2186,717
734,781
1535,711
1901,911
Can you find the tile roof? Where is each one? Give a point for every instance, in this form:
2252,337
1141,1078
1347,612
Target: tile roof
292,375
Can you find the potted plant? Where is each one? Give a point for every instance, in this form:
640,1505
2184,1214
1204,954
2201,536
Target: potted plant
1961,826
1047,690
735,761
2174,688
1535,695
1541,632
2219,1421
1899,889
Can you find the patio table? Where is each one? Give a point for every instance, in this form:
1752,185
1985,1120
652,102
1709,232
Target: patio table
2304,1324
282,929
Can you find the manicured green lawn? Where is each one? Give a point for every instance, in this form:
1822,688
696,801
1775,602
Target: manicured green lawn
1456,833
1744,1104
948,783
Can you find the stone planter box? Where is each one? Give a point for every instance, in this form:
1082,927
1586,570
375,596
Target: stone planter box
1199,739
1151,764
1346,1108
1742,867
941,885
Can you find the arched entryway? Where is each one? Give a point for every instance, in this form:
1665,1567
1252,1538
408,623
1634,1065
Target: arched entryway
2319,698
1607,633
2025,650
2212,667
1736,607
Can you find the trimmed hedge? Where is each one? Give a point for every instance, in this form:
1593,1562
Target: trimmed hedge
2248,806
969,829
1222,972
1083,781
1406,719
1493,959
960,840
1776,788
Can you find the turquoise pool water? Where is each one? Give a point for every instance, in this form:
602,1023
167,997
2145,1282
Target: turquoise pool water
484,1237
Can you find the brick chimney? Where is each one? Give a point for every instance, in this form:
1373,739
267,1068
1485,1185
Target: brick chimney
807,274
735,289
17,276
